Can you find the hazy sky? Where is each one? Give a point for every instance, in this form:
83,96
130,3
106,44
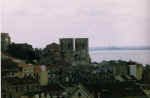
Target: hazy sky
104,22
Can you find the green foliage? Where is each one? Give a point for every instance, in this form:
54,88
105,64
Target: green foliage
51,55
48,56
21,51
38,53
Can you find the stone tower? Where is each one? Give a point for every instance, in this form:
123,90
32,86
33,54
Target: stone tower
67,49
5,41
81,50
75,51
66,44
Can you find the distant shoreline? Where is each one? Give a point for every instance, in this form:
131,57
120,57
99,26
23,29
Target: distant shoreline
118,48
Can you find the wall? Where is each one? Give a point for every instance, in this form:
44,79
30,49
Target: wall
43,78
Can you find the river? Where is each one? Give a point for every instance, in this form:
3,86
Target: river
140,56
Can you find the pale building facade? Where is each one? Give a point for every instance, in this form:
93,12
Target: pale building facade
43,76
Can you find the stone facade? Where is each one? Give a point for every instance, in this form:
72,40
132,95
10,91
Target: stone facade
66,47
136,71
75,51
66,44
81,50
5,41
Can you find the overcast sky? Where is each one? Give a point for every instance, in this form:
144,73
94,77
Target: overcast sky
104,22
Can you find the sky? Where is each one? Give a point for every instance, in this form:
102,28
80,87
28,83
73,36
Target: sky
104,22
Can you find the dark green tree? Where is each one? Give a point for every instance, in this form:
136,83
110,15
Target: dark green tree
51,55
21,51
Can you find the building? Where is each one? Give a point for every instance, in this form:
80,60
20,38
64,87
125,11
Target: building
75,51
114,68
54,74
81,50
67,44
10,73
5,41
56,91
43,76
27,69
136,71
67,49
80,91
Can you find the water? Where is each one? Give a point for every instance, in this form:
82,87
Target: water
140,56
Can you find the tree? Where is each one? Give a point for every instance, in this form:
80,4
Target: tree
21,51
51,55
